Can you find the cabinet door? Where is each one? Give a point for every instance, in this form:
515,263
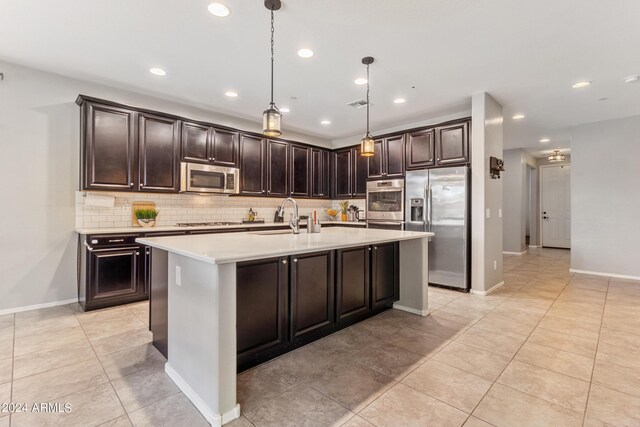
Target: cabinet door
261,304
224,148
376,162
452,144
312,295
300,171
394,157
195,143
326,174
342,172
352,286
252,163
109,148
317,173
384,274
114,274
277,168
360,174
420,149
159,151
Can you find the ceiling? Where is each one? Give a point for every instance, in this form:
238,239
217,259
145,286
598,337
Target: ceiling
436,54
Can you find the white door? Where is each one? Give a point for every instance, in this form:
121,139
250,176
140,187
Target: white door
556,206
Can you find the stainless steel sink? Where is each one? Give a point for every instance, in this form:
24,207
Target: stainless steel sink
272,232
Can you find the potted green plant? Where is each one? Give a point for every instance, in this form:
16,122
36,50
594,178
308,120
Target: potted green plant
344,207
146,217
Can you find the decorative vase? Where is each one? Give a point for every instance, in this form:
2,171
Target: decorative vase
147,223
344,217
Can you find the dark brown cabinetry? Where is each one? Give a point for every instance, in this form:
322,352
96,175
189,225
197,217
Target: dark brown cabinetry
252,163
320,175
360,174
158,140
385,274
262,289
388,158
312,295
452,144
206,144
300,171
421,149
277,168
224,148
350,173
353,289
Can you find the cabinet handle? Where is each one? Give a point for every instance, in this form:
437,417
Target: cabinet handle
295,260
137,253
375,248
369,248
141,185
131,184
284,261
88,247
115,240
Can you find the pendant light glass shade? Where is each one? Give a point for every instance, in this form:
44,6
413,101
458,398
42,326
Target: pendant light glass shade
271,121
556,157
367,142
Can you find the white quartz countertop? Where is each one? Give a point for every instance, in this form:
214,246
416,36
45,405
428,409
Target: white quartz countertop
226,248
127,230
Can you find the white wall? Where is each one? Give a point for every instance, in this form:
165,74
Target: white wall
486,194
605,197
39,135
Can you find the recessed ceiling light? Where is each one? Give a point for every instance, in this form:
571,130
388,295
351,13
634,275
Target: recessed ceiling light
360,81
325,122
231,94
218,9
284,110
581,84
518,117
399,101
632,79
158,71
545,140
305,53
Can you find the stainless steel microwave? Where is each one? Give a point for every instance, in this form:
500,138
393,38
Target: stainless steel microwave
197,178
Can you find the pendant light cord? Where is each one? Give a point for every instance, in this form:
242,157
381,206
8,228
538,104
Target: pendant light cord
272,33
367,99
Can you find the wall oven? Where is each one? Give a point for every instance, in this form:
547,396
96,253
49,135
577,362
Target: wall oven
198,178
385,204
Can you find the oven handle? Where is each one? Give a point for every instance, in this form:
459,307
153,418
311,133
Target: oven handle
385,190
386,222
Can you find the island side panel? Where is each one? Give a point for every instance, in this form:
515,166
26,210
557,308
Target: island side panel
202,335
414,277
158,293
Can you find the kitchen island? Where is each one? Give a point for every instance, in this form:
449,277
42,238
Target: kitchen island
203,274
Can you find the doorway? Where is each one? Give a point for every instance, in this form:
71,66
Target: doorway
555,206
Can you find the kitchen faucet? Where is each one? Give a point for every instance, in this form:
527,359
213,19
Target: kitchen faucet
295,222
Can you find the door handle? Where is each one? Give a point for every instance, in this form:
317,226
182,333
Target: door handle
430,208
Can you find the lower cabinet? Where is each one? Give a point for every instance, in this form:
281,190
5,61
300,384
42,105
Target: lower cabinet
353,290
385,274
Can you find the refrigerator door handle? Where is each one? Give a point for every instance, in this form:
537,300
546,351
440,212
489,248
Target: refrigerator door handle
429,197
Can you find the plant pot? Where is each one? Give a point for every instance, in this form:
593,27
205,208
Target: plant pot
147,223
343,217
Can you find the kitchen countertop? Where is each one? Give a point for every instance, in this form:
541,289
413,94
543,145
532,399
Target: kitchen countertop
226,248
126,230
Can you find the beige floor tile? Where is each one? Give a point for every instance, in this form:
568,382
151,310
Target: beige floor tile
378,327
141,311
124,322
548,385
122,421
132,360
4,421
592,422
46,314
476,422
448,384
582,345
505,407
144,388
613,407
417,341
617,371
304,361
300,406
114,343
490,341
59,382
91,406
439,326
556,360
242,421
350,384
7,320
5,397
472,359
47,339
173,411
561,324
389,360
6,369
262,383
346,340
42,361
357,421
506,325
6,342
619,338
404,406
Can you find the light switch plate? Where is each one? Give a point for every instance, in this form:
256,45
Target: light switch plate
488,213
178,275
500,213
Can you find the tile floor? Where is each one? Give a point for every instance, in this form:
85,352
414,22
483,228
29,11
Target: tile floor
547,349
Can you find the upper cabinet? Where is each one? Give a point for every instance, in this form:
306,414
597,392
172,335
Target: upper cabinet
421,149
300,171
224,148
252,162
277,168
109,149
360,174
206,144
158,141
388,158
350,173
320,176
452,144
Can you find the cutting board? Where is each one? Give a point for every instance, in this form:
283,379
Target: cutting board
139,205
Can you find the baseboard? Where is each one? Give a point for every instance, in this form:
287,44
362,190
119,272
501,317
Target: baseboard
411,310
487,292
599,273
37,306
216,420
514,253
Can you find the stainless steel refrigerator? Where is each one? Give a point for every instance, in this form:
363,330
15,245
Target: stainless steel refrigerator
437,200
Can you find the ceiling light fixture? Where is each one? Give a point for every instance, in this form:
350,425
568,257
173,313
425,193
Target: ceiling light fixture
231,94
158,71
518,117
305,53
271,118
545,140
632,79
581,84
361,81
325,122
399,101
218,9
556,157
367,142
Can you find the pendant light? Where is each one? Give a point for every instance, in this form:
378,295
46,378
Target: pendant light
367,142
271,117
556,157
